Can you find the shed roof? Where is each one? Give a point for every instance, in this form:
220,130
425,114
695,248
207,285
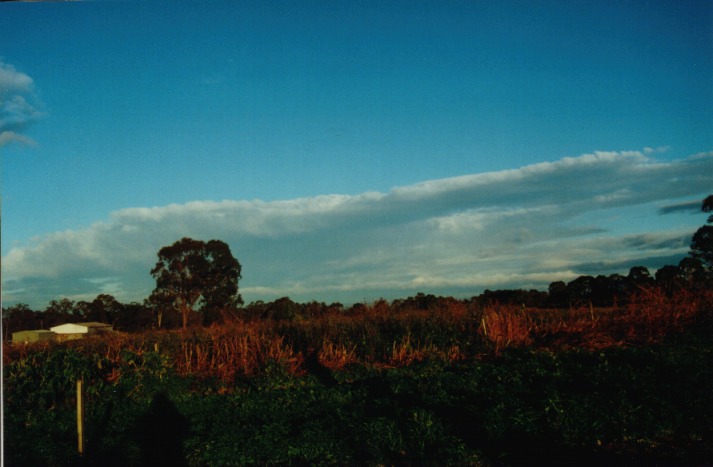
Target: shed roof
69,328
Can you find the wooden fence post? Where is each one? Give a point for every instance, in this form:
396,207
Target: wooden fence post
80,416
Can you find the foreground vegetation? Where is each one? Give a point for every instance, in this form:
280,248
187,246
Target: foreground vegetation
443,382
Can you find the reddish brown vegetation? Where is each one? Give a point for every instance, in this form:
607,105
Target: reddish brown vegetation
385,336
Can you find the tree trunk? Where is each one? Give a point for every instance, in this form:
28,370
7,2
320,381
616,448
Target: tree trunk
185,312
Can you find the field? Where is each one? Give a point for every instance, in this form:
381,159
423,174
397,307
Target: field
453,382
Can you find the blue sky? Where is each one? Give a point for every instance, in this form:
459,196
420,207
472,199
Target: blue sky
349,151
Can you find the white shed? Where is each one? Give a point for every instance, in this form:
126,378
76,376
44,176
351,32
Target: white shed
77,330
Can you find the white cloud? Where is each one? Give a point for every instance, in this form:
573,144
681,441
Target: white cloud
515,228
19,106
7,137
12,80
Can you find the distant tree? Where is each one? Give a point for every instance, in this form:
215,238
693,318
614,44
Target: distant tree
603,291
62,306
104,309
253,310
421,301
558,297
357,309
702,245
692,270
81,308
335,307
639,276
617,289
17,318
162,305
313,309
668,273
580,290
519,297
59,312
702,242
134,317
282,309
195,276
669,278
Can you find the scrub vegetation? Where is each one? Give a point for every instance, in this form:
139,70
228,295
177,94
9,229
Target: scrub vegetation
455,382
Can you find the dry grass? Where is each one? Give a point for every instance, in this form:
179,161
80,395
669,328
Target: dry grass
384,336
506,327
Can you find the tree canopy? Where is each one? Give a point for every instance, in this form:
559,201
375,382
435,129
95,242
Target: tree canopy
702,242
196,276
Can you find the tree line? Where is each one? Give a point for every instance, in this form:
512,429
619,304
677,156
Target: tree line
197,284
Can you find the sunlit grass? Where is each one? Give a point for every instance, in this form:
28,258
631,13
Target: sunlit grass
382,335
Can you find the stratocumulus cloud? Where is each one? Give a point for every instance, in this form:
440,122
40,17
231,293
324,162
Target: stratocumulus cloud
686,206
524,227
19,105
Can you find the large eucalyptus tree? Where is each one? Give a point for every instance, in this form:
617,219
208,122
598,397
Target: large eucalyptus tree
196,276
